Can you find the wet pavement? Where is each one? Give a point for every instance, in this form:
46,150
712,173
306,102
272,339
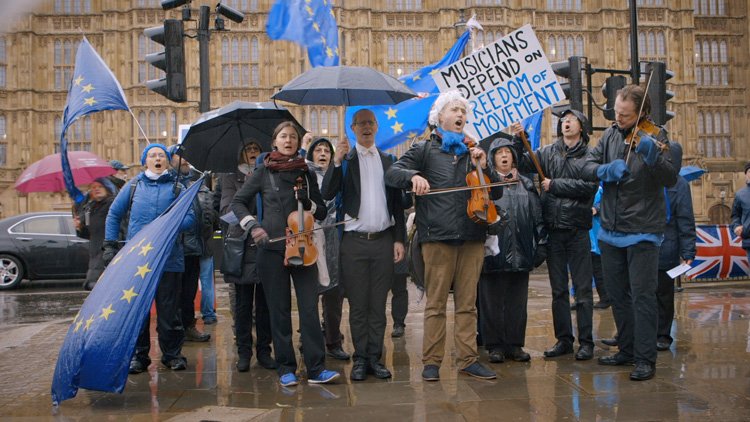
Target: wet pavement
704,376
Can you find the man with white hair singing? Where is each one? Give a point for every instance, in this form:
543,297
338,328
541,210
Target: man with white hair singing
452,244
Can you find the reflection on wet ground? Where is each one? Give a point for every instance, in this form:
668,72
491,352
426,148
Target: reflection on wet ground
705,374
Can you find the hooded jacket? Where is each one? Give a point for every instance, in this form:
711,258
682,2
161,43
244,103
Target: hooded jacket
519,239
440,217
637,204
741,214
679,235
567,205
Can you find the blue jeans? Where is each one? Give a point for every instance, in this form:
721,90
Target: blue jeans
207,288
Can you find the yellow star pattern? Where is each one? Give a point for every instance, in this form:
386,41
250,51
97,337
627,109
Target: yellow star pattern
78,80
128,294
411,134
391,113
309,10
397,128
106,312
78,325
88,322
119,257
325,42
145,249
329,51
316,26
142,271
337,50
434,71
87,89
136,246
90,101
416,78
332,14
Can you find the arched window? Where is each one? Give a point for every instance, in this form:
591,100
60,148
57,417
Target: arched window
174,124
58,128
642,43
701,131
722,8
709,123
651,44
561,47
714,51
245,50
712,5
142,122
391,49
152,124
706,52
420,48
68,57
717,122
255,76
225,49
334,121
552,47
58,52
409,48
726,122
235,49
3,128
58,6
254,49
697,51
723,52
314,121
698,76
660,44
324,122
163,124
87,128
570,47
579,41
400,48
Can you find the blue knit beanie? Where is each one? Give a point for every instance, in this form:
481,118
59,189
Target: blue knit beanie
145,152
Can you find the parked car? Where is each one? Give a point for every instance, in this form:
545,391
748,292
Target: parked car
41,246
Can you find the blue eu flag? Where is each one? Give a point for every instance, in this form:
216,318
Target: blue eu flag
93,88
97,349
533,127
408,119
310,23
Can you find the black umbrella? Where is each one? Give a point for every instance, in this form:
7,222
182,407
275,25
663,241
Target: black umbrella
344,85
215,139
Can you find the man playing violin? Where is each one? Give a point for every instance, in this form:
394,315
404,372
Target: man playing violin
371,244
566,205
452,244
633,218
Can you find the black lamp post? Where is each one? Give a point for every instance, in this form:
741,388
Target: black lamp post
460,25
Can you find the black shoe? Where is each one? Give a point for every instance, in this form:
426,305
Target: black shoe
477,370
585,352
175,364
616,360
601,305
359,371
397,331
265,360
243,365
192,334
662,346
136,366
496,356
338,353
560,348
378,369
643,371
431,373
612,342
518,355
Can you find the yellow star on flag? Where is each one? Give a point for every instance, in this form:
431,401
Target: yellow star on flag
329,51
78,80
391,113
87,89
78,325
128,294
106,312
325,42
337,50
411,134
309,10
416,78
142,271
434,71
88,322
136,246
145,249
119,257
90,101
397,128
332,14
316,26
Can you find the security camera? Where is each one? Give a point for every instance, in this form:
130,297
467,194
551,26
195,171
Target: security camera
171,4
229,13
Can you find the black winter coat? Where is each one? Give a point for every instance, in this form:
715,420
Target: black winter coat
741,214
230,184
568,203
440,217
93,216
636,205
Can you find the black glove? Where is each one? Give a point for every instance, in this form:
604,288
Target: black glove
541,255
110,249
258,234
499,225
301,195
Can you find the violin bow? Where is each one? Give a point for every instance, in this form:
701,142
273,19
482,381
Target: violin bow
643,102
277,239
463,188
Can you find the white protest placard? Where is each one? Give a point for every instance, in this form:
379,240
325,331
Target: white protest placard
506,81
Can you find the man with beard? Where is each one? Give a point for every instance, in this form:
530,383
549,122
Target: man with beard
371,244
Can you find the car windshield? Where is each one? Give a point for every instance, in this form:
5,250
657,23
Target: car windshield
38,225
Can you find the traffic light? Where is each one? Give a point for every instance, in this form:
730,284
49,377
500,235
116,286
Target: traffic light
573,89
659,93
171,60
609,89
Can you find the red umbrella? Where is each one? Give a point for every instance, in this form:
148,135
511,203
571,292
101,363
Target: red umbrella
46,174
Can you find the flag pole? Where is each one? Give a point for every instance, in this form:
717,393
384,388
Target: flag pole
139,125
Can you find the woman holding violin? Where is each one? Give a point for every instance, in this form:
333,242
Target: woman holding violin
632,161
452,242
291,199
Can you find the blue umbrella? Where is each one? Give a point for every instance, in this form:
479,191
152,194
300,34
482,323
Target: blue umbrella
691,173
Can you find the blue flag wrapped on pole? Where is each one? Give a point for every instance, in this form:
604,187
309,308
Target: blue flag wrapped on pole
97,349
409,118
310,23
94,88
533,127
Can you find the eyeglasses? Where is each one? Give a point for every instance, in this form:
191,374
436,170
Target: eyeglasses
367,123
569,119
252,148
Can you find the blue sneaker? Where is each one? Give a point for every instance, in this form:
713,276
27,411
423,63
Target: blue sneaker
324,377
288,380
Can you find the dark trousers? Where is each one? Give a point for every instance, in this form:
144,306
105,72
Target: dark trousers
366,270
665,300
502,309
630,275
333,301
275,277
245,295
571,248
596,269
168,321
189,290
399,301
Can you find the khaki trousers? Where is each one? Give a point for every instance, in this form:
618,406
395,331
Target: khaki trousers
446,266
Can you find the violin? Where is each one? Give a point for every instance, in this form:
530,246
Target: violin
480,207
300,248
645,127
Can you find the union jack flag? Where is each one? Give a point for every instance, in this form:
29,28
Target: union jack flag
720,254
